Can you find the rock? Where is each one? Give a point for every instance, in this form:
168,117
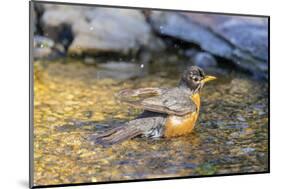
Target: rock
41,52
155,45
41,41
44,47
88,30
56,23
230,143
179,26
239,39
59,48
88,114
247,33
119,66
122,31
120,70
145,57
206,169
190,53
204,60
89,60
34,17
247,150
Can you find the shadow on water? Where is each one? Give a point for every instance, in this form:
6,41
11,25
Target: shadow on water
74,101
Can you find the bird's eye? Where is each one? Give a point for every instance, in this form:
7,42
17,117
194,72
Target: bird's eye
196,79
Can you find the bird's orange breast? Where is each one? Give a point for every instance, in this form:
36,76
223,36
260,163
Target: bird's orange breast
181,125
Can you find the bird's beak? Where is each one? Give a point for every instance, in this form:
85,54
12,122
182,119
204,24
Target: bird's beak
208,78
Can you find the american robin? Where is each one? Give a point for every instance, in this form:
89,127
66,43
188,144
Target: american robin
168,112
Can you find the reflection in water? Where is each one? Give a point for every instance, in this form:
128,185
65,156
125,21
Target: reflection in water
71,104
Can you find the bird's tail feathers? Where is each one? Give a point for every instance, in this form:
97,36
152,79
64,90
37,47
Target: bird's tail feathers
116,135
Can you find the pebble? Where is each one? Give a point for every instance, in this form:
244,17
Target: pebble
248,150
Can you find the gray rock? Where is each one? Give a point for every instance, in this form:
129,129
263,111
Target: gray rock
239,39
119,70
41,41
247,33
247,150
42,46
120,31
89,60
204,60
96,30
179,26
55,21
35,19
190,53
39,53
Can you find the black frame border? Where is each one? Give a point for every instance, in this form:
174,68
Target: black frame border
31,97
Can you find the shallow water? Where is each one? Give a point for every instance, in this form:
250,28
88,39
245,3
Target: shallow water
73,101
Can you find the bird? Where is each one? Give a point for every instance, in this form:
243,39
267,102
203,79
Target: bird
167,112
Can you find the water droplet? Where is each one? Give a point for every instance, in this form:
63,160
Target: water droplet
161,29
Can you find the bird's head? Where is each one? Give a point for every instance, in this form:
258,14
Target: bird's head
194,78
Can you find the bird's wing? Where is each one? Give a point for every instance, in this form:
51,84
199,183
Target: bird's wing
173,101
133,95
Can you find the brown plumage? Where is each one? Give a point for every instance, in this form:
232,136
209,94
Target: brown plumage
168,112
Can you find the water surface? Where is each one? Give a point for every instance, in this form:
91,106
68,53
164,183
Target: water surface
73,101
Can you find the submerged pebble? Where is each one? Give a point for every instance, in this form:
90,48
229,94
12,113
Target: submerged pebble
248,150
